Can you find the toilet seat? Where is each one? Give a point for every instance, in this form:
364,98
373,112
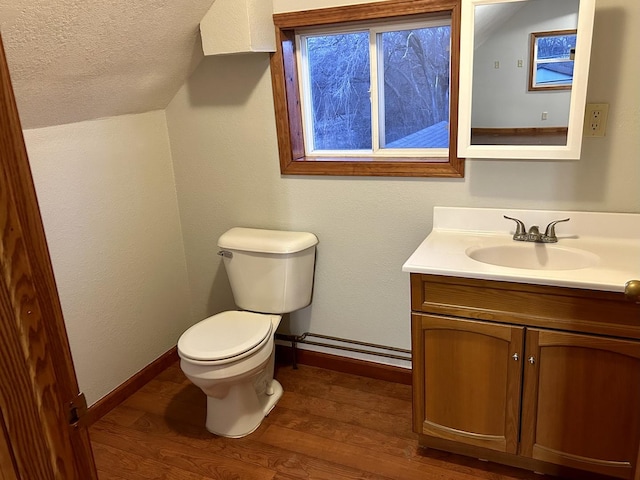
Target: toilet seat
225,337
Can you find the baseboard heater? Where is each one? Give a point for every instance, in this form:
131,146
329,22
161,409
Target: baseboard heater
362,347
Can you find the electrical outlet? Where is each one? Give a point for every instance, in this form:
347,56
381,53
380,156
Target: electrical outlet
595,119
544,115
496,64
519,63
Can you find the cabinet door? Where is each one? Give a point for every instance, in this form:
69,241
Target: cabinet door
581,401
467,378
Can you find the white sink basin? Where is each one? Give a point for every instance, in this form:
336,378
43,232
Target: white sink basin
533,256
595,250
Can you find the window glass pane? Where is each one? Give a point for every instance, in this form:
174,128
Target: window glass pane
554,73
339,83
556,46
416,88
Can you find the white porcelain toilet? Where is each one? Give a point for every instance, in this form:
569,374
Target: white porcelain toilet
230,356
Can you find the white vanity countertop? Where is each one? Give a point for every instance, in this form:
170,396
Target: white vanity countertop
613,237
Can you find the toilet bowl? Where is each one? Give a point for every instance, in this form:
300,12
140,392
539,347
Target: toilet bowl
230,356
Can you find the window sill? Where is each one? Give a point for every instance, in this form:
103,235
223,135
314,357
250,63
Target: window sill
369,166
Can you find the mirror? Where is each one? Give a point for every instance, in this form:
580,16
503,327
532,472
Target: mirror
523,78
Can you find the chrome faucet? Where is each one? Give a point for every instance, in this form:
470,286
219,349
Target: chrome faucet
534,235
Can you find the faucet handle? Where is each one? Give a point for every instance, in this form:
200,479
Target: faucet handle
520,228
550,232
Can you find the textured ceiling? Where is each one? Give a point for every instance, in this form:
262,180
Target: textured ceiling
74,60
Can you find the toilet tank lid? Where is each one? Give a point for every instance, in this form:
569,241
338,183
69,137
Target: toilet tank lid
266,241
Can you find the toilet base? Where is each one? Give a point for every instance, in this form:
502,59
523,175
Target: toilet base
242,410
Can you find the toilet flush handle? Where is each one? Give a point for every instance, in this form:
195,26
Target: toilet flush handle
225,253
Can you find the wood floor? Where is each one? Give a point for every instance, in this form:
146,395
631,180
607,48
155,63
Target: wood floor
327,425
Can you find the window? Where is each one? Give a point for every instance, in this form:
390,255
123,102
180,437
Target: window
376,90
368,89
551,60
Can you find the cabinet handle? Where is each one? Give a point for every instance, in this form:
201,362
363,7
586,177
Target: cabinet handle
632,290
532,360
515,357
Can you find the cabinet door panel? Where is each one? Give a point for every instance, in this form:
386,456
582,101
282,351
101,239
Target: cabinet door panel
471,386
581,398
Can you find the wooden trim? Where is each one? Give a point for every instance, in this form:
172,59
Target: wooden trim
514,388
562,308
507,459
609,468
497,330
283,354
493,442
360,12
128,388
417,367
520,131
377,168
363,368
529,415
456,163
287,105
284,79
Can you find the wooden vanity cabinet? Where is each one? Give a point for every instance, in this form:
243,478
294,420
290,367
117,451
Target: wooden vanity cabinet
544,378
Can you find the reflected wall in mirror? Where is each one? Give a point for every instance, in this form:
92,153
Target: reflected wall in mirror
505,110
501,116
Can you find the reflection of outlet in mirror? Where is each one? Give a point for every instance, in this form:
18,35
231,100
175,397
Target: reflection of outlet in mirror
595,119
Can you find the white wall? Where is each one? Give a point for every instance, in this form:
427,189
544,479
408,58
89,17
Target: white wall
108,202
223,143
500,95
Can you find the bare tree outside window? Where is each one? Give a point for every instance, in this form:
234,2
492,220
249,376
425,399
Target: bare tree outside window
339,81
416,84
413,86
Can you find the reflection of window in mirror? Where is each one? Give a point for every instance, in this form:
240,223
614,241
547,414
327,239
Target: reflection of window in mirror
551,60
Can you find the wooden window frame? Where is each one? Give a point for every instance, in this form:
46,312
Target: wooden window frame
286,93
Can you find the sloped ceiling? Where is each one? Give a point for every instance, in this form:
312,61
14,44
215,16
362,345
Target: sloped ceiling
74,60
488,18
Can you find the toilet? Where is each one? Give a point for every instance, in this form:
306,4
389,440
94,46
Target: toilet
230,356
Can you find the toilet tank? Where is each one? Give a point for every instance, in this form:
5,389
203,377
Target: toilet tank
270,271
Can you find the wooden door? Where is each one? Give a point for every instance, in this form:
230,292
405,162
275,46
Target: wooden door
40,438
581,401
467,378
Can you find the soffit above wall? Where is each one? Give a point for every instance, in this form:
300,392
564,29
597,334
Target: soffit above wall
238,26
75,60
